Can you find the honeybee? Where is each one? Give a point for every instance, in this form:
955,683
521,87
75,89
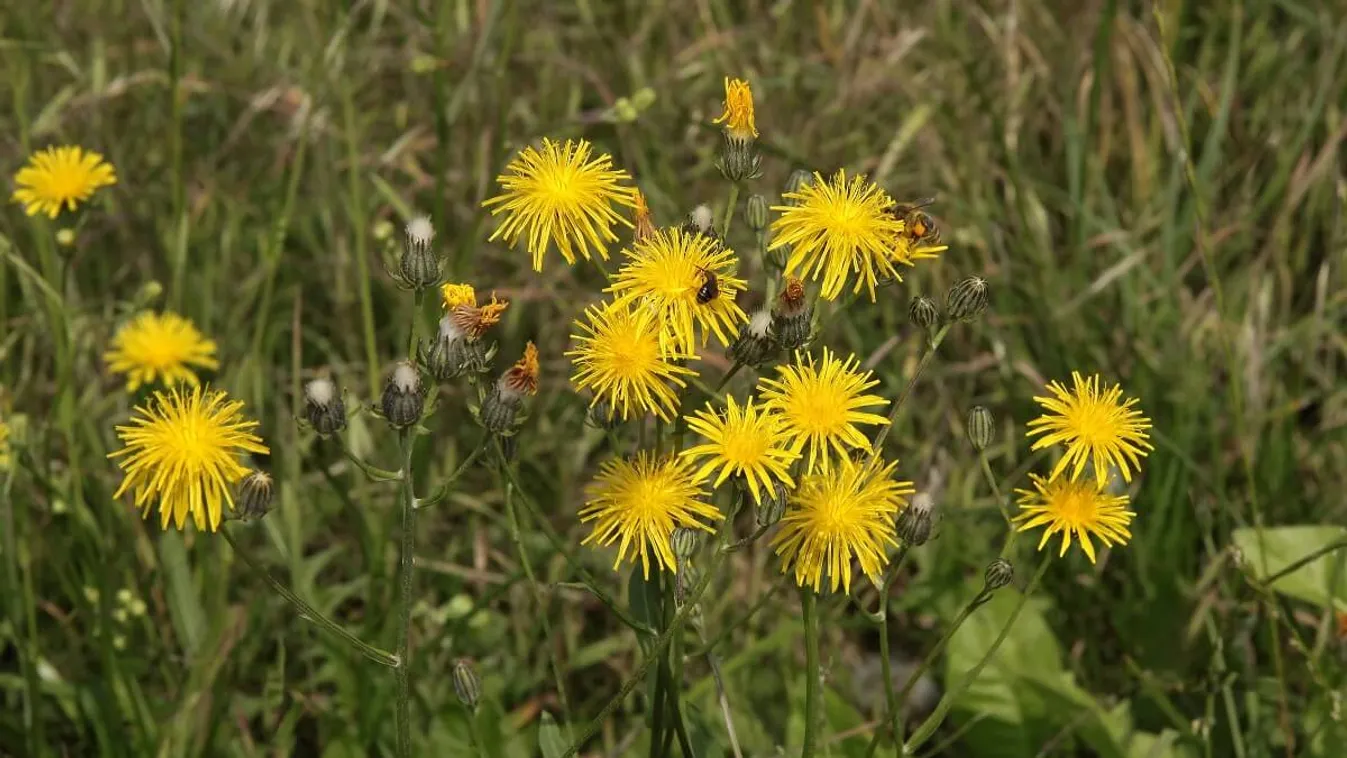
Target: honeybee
918,224
710,287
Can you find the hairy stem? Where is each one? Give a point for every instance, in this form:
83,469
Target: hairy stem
403,714
808,605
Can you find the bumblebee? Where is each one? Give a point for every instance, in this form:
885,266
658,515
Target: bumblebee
710,287
918,225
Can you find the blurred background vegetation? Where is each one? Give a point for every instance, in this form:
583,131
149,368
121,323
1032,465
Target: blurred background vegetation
1154,193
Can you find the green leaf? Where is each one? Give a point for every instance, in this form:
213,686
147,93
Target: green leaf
550,740
1322,581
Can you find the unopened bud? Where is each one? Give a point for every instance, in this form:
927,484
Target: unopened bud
967,300
252,500
65,237
420,267
404,398
685,543
755,344
602,415
923,312
797,180
467,686
755,213
323,407
739,160
981,428
999,574
501,405
914,523
773,505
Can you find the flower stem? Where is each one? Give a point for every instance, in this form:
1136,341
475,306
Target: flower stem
1001,503
934,345
403,714
731,203
446,486
661,678
808,603
937,717
308,612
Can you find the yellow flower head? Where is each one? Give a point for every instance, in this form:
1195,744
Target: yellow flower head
638,503
1081,507
1094,426
822,404
738,115
837,228
4,446
60,176
665,274
470,319
744,440
182,450
522,377
617,356
159,347
837,515
560,194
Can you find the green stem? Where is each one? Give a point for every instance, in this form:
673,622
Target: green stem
359,238
403,714
309,613
661,678
417,299
473,736
1001,503
1302,562
931,655
937,717
446,486
175,152
373,472
934,345
808,603
731,203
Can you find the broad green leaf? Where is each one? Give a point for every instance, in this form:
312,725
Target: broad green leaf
550,740
1322,581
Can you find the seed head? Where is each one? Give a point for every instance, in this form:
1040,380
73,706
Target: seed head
419,266
323,407
755,344
914,523
967,300
702,218
403,398
981,427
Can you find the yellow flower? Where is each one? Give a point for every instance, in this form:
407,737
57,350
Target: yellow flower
738,115
837,228
453,295
837,515
470,319
60,176
560,194
665,274
617,355
159,347
183,451
1081,506
638,503
822,405
522,377
4,446
744,440
1094,426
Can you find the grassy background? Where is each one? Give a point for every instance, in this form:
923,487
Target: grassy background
1183,236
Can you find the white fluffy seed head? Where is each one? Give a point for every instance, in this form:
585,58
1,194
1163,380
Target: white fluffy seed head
448,329
320,391
701,218
923,502
406,378
760,323
420,231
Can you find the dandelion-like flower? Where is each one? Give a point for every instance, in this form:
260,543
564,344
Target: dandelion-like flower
1094,426
60,177
4,446
617,356
465,315
160,347
560,194
666,272
836,228
745,440
1079,507
182,451
738,116
637,503
822,405
839,515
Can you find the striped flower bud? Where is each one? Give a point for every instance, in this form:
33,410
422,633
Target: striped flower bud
981,427
966,300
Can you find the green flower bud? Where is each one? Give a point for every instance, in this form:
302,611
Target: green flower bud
739,160
755,345
798,179
923,312
755,212
685,543
467,686
602,415
967,300
999,574
404,398
252,500
981,428
773,505
323,407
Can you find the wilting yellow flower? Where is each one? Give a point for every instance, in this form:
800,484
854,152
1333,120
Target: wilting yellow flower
470,319
638,503
745,440
560,194
667,273
1094,426
522,377
643,218
1081,507
617,356
836,228
822,404
837,515
60,176
159,347
182,450
738,115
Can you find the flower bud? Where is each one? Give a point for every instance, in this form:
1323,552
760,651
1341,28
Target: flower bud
999,574
755,213
739,160
981,427
967,300
419,266
602,415
792,317
65,237
500,407
685,543
773,505
797,180
404,398
755,345
684,581
914,523
323,407
252,499
451,352
923,312
467,686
